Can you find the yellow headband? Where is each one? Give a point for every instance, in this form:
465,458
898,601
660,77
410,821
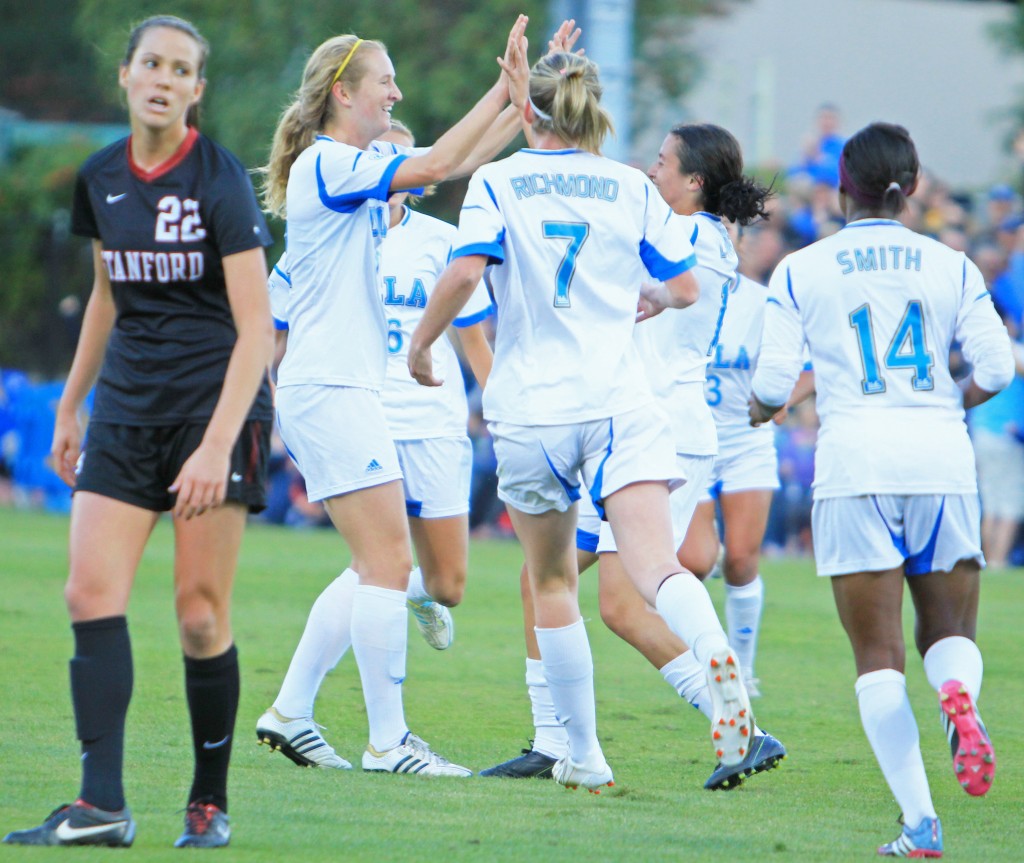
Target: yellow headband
344,62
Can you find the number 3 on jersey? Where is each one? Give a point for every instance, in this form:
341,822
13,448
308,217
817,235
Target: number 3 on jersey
907,350
576,233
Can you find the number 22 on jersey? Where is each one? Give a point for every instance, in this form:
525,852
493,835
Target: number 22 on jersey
907,350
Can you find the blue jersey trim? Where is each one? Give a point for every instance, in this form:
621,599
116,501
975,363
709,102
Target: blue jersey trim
868,223
661,267
551,152
352,201
469,320
490,192
693,236
413,508
773,300
708,215
280,325
789,287
494,253
587,541
407,216
282,274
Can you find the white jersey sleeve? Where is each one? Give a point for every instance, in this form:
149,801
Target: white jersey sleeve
982,335
782,342
570,237
279,284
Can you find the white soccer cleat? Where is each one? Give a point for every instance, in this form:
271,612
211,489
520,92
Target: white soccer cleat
435,623
298,739
732,723
592,777
412,755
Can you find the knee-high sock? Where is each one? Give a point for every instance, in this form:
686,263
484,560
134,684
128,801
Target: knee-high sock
380,632
743,607
549,735
417,590
569,670
684,604
327,636
101,689
889,724
211,689
955,658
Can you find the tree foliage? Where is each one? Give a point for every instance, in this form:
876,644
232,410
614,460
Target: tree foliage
59,60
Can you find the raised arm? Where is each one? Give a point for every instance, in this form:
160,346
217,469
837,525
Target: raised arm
471,135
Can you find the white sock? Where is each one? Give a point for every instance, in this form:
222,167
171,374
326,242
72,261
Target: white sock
955,658
687,677
417,590
325,639
684,604
569,670
743,606
379,634
549,736
889,724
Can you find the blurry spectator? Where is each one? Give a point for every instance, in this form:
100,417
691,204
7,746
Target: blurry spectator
790,519
819,158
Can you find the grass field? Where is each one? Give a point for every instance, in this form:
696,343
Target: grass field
828,800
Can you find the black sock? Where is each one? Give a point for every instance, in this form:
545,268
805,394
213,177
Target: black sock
211,687
101,688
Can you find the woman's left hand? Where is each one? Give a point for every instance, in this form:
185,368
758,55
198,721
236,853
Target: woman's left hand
202,482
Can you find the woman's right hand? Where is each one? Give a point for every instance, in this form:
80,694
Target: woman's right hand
515,67
565,38
67,445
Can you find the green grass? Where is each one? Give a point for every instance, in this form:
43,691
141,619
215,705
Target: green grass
828,800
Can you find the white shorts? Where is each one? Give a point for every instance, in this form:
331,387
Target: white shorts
744,469
337,437
539,467
437,473
870,533
682,502
1000,460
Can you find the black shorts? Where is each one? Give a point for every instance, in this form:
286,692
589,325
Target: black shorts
136,464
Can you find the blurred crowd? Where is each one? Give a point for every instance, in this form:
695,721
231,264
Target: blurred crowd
987,224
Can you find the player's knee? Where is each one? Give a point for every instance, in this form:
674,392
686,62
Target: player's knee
741,568
201,622
614,613
450,589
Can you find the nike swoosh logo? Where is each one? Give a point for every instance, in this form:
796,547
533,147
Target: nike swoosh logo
113,199
66,831
217,745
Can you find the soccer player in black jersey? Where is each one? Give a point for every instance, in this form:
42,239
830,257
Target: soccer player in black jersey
177,337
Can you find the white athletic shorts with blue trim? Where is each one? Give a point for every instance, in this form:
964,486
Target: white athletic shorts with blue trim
871,533
682,502
437,474
540,467
744,469
337,437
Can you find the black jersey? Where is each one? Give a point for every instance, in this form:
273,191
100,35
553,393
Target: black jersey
164,234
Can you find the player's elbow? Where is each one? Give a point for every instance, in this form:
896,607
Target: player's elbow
684,289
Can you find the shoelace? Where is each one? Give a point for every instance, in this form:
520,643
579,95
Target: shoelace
424,750
198,817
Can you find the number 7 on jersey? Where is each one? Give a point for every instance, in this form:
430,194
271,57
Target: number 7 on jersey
576,233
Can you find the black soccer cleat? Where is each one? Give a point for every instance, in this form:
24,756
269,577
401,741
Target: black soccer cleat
765,753
206,826
79,824
530,765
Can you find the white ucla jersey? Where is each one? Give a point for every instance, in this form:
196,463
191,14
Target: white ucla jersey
878,307
572,235
412,257
677,344
337,216
731,369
